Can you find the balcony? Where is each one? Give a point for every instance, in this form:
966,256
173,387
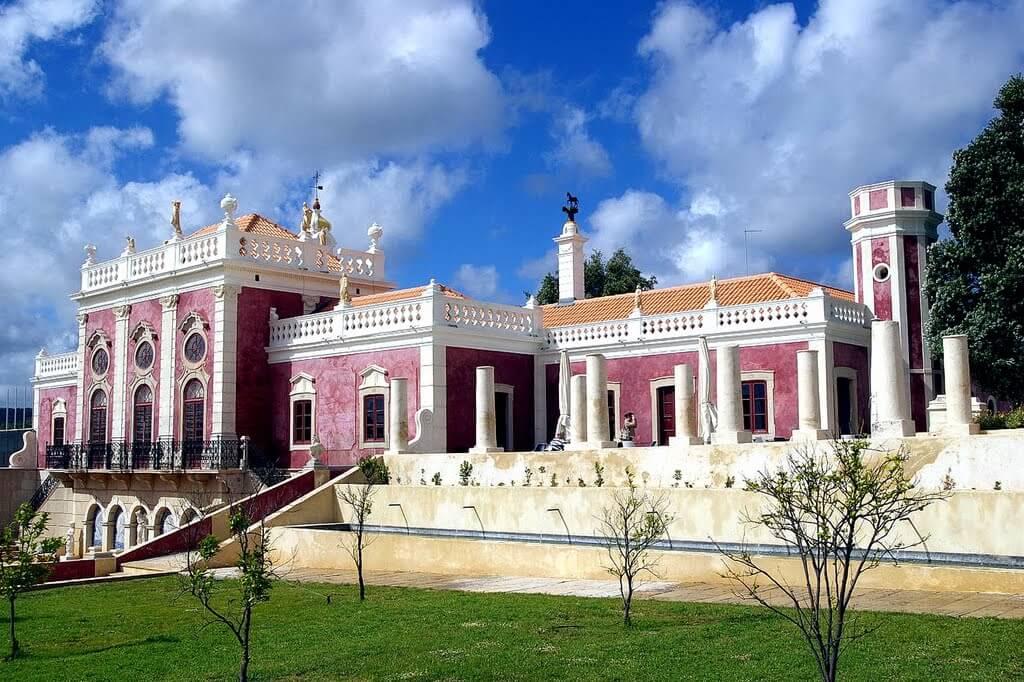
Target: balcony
163,456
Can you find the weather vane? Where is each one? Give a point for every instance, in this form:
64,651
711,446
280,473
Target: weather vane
572,206
317,187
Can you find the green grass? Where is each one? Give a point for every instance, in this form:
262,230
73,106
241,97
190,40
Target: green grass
142,630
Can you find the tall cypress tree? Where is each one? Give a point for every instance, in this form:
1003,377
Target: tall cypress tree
975,281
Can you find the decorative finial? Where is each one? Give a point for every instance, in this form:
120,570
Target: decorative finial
176,220
374,232
90,254
229,205
42,353
572,206
343,293
531,302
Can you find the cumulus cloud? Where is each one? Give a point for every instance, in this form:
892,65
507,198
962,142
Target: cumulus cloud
768,123
318,83
478,281
25,22
47,223
576,151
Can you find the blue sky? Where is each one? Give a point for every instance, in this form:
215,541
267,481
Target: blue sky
459,126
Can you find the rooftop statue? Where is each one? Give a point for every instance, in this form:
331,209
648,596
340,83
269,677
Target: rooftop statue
307,218
572,206
713,289
176,218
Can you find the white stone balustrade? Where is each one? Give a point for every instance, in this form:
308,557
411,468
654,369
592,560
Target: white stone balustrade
56,366
227,245
815,310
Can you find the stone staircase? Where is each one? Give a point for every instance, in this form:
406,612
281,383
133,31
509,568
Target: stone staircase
167,564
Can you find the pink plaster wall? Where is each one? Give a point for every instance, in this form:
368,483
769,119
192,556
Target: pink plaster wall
101,319
857,359
636,374
509,368
878,198
254,402
151,312
858,273
882,290
337,392
915,333
44,433
202,302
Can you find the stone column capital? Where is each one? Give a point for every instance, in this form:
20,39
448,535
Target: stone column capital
122,312
83,318
222,290
169,302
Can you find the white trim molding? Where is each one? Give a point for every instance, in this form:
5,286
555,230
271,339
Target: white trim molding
303,387
767,376
655,384
374,382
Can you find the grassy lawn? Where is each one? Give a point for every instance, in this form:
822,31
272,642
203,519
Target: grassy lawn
141,630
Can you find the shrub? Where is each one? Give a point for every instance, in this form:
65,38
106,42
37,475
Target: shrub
465,471
436,478
375,470
730,481
599,470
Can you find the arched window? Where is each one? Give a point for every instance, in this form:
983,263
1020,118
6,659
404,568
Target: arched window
142,415
118,521
165,521
94,528
193,412
98,417
58,431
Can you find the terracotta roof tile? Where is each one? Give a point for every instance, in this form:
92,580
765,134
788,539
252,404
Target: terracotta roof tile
402,295
769,286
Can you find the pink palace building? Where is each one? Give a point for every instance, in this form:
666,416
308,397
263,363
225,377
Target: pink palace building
246,331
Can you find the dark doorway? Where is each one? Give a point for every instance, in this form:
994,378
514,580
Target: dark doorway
666,414
844,404
503,420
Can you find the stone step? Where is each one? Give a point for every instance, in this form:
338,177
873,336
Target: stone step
161,564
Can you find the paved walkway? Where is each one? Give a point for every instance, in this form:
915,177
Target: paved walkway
960,604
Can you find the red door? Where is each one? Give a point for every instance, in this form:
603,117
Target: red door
666,414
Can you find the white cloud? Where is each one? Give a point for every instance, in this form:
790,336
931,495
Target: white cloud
479,281
315,83
46,223
767,123
577,151
25,22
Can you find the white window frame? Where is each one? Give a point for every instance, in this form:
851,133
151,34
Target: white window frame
374,382
58,408
616,388
303,387
510,391
660,382
767,376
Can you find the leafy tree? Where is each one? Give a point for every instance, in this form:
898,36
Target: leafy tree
841,513
630,526
617,275
25,556
256,576
975,280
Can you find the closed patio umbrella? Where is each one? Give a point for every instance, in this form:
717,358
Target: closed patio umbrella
708,413
564,377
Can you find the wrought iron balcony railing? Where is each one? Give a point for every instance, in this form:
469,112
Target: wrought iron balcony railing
165,454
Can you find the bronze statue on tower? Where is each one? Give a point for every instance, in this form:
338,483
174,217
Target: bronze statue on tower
572,206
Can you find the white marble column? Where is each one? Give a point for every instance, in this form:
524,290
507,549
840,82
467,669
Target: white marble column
398,433
81,433
959,418
597,403
168,318
808,397
686,429
730,404
890,408
120,364
578,412
486,424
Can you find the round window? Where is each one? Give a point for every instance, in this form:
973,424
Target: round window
144,355
881,272
100,361
195,348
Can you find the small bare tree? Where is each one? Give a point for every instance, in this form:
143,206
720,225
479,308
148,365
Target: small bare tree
359,498
256,576
25,555
842,513
633,523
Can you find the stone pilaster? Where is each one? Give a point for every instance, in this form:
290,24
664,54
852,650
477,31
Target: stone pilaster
577,411
959,418
808,397
165,426
398,432
80,429
225,344
730,406
597,403
486,424
121,318
686,429
890,406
